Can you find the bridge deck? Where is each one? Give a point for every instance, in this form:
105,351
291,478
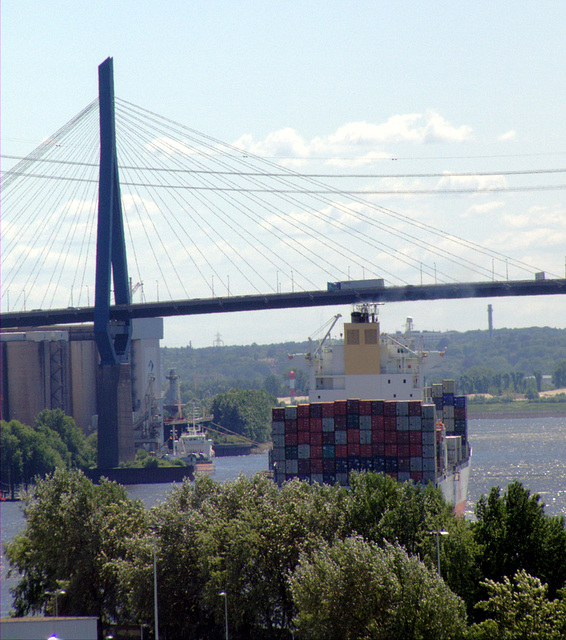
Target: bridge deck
200,306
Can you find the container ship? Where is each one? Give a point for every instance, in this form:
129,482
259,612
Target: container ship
369,409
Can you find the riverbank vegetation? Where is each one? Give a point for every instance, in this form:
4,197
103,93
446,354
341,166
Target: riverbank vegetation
53,442
303,561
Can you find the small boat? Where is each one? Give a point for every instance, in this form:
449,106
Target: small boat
193,448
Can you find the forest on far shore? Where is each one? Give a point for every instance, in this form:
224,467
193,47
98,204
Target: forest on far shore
507,362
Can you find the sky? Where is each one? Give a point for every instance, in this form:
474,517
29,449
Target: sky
402,89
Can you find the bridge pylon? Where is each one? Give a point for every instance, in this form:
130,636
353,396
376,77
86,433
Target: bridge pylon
114,391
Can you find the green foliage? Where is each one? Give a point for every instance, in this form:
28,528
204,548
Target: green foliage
514,533
559,374
518,609
73,529
354,590
81,455
357,563
212,370
245,412
54,442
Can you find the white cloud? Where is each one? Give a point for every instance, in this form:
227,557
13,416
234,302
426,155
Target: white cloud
508,136
486,208
472,182
413,128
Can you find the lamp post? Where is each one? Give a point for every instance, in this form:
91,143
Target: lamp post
59,592
438,533
224,595
56,594
155,608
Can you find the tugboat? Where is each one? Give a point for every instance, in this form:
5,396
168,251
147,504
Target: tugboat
185,437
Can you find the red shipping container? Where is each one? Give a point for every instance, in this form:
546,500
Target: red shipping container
303,424
365,407
377,436
328,409
392,474
291,439
404,451
316,451
415,437
341,450
316,437
378,449
340,422
365,451
316,465
304,437
403,437
340,408
353,450
303,411
390,423
377,423
415,408
416,450
390,437
391,450
417,476
353,436
390,408
316,424
291,426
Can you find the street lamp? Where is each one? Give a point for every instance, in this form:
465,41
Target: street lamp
56,594
223,594
438,533
155,609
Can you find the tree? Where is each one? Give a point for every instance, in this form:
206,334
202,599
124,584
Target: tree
74,532
354,589
82,454
11,461
518,609
272,384
384,509
514,533
559,375
38,452
245,412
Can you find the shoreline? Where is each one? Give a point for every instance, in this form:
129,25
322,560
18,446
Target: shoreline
502,412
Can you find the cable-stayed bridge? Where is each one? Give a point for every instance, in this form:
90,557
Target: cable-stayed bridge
211,228
120,199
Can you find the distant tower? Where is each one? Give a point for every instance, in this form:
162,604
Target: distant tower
490,319
218,342
292,386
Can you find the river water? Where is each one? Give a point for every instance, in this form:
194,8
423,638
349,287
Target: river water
530,450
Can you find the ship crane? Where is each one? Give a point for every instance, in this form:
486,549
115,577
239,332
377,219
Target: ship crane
324,339
310,355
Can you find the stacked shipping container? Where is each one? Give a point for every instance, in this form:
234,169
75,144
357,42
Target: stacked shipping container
324,442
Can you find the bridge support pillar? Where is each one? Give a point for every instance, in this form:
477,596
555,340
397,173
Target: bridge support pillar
114,406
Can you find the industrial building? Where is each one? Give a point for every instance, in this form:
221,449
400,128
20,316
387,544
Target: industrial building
56,368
